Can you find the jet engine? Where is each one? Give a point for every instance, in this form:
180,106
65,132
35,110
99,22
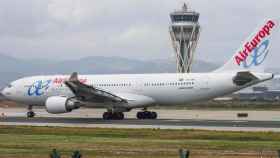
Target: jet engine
59,105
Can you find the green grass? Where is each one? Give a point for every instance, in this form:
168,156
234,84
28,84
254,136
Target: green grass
23,141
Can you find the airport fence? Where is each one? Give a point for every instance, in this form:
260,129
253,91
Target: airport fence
183,153
186,154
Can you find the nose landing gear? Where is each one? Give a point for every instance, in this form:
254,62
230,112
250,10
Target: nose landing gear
30,113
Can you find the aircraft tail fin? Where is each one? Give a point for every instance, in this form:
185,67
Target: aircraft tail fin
251,56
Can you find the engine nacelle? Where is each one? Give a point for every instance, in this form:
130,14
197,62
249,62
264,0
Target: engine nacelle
59,105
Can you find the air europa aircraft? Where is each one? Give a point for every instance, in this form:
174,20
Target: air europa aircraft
122,93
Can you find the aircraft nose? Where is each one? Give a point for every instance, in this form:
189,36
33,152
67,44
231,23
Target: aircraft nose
2,95
5,93
2,91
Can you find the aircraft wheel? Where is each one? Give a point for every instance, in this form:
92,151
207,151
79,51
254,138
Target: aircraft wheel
146,115
119,116
153,115
30,114
140,115
107,116
113,116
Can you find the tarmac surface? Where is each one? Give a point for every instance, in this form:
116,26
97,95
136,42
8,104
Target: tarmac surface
169,119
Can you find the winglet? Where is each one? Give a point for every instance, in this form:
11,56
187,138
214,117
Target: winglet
74,77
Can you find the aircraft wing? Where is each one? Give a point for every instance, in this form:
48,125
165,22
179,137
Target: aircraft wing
88,93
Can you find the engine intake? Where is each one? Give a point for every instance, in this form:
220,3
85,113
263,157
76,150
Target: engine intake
59,105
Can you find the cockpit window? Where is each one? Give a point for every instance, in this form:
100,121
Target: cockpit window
9,86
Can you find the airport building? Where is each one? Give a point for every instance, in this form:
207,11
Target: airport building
184,31
267,91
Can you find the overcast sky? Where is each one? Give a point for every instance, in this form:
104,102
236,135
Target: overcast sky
69,29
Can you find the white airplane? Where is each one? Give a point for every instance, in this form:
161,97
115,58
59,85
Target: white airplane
122,93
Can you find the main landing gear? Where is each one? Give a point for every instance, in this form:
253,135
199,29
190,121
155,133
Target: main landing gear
113,116
142,115
119,115
30,113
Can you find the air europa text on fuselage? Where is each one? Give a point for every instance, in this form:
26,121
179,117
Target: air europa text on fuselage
250,46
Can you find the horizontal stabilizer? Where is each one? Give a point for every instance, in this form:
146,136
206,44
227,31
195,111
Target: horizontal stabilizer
244,78
247,78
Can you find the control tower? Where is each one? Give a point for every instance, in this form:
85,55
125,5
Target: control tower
184,30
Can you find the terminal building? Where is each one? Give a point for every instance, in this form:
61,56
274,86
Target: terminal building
267,91
184,31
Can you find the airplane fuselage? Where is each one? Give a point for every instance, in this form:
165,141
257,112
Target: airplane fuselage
162,89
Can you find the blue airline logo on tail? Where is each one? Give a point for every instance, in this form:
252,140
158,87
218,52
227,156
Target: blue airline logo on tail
257,56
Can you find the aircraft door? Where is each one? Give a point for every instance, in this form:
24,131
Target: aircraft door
137,85
204,84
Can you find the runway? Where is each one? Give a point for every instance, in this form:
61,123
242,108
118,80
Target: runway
169,119
163,122
159,123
